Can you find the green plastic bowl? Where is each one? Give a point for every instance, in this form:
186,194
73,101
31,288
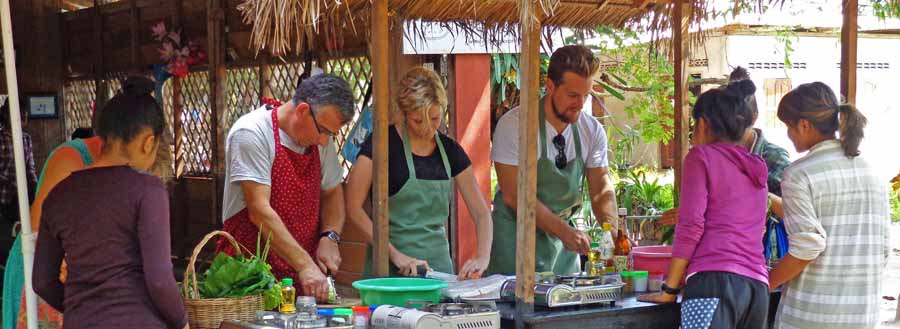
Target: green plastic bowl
396,291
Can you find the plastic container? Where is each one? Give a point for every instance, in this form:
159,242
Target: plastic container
360,319
640,280
652,258
396,291
655,281
628,280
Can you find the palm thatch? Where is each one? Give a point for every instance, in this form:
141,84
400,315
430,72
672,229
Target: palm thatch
282,26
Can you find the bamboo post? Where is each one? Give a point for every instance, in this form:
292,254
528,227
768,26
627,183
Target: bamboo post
28,238
215,32
178,129
848,50
528,131
682,118
381,93
265,75
101,94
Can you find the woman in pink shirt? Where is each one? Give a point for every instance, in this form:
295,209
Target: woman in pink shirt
721,220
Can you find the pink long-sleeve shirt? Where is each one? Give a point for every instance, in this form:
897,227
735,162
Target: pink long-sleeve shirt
722,214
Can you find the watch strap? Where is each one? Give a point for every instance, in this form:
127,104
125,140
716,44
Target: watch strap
669,290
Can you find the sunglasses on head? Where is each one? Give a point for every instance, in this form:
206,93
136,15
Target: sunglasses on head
559,142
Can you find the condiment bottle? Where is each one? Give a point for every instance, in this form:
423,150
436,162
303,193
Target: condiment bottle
288,294
623,247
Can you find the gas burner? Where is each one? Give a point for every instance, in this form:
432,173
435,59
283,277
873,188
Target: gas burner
449,309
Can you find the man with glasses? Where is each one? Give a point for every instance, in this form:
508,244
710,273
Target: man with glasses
572,147
282,176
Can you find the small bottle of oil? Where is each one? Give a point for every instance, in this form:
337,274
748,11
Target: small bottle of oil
288,295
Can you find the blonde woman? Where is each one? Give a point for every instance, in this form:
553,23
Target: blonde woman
422,165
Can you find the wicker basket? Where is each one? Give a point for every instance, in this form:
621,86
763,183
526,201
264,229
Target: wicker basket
210,312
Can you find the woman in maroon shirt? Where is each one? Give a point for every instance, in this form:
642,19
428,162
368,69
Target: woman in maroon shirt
111,221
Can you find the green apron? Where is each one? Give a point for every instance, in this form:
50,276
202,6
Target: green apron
561,192
417,213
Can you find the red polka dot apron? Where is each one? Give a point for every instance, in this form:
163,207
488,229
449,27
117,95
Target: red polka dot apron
296,185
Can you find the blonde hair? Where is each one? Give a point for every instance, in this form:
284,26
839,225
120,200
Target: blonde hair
420,90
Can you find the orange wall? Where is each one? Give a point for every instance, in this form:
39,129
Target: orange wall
473,132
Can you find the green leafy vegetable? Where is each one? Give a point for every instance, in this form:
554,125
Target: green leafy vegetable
230,277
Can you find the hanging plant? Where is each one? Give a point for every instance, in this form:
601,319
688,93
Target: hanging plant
177,53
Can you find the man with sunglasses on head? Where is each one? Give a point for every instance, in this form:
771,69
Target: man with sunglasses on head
282,176
572,147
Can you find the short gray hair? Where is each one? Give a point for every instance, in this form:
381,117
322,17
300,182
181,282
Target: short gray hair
327,89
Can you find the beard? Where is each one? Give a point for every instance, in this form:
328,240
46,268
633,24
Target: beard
559,115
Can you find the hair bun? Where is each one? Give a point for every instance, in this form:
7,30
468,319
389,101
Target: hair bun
138,86
742,88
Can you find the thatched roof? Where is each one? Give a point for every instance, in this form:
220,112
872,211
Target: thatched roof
281,26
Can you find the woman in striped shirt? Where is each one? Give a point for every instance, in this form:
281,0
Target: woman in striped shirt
836,214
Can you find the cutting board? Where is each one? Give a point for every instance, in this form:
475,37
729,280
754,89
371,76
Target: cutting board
345,303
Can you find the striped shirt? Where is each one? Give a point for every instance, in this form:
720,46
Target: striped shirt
837,215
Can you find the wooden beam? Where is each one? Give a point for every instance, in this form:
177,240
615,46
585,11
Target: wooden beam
218,74
381,92
265,75
528,132
101,92
848,50
682,116
135,35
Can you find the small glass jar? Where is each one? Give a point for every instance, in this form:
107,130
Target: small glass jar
306,304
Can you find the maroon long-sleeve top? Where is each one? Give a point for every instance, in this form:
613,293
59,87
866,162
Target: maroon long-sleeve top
112,226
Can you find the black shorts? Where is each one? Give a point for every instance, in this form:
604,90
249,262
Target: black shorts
721,300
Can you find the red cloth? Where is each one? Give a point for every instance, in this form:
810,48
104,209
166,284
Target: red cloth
296,188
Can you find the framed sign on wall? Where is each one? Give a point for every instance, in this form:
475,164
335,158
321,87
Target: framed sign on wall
42,105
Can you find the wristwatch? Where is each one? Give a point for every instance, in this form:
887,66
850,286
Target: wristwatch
669,290
334,236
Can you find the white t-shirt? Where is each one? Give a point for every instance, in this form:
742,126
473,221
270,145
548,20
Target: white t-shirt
505,148
250,154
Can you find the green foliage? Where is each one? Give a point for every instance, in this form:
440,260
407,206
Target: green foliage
884,9
642,196
895,205
786,37
230,277
623,141
639,65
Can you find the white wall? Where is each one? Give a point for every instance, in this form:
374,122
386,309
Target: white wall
876,88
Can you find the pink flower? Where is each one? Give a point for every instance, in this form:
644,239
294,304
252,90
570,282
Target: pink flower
184,52
176,37
159,31
166,52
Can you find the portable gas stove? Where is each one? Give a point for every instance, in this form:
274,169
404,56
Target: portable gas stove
568,291
468,315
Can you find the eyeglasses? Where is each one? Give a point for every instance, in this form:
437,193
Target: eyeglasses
559,142
318,127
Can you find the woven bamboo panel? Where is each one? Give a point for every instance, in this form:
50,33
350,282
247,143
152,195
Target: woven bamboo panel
197,128
242,94
78,96
283,81
358,72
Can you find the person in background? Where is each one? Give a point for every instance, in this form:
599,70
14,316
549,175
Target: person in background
572,148
775,240
837,214
722,217
283,177
423,165
9,201
65,159
82,133
118,249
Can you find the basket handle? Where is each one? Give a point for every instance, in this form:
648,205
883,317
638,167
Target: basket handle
191,272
